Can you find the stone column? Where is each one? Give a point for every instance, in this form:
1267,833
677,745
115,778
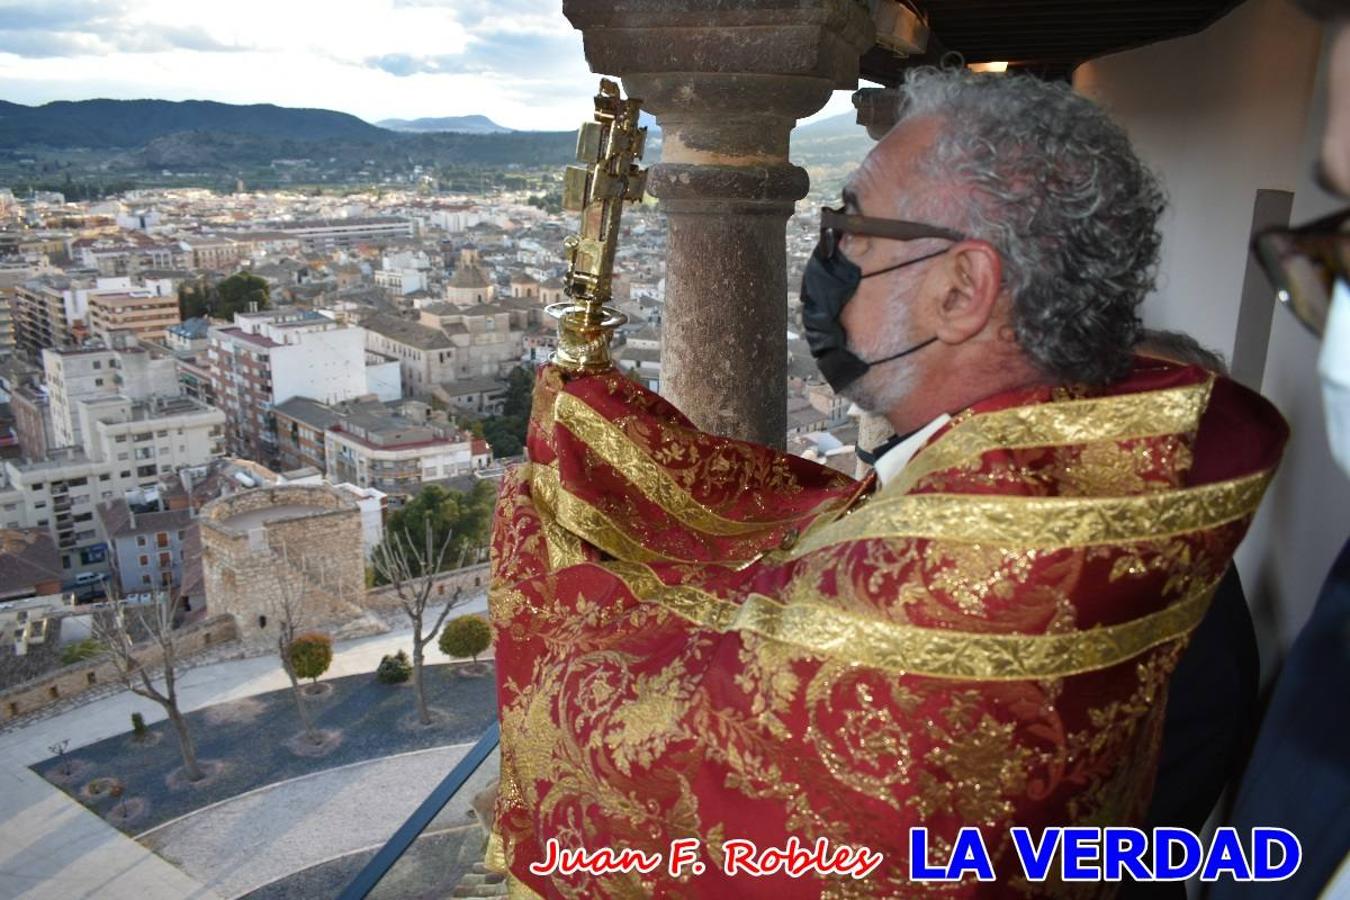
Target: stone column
727,81
878,109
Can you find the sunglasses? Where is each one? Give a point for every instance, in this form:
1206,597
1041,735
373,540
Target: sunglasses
835,222
1304,264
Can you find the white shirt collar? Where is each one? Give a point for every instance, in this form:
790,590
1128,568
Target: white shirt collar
889,464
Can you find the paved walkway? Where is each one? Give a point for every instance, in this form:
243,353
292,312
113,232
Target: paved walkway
243,843
51,847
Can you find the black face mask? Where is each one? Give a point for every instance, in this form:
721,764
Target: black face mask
828,283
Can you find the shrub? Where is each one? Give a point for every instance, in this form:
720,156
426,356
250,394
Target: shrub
394,669
80,651
311,655
465,636
138,728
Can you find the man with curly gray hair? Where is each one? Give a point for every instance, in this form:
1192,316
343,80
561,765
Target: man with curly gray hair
1052,245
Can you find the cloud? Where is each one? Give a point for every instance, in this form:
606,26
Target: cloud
518,61
510,56
92,28
48,16
495,13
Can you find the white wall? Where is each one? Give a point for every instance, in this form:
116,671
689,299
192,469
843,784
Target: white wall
1219,115
384,380
327,366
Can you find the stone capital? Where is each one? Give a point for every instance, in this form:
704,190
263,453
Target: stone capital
820,39
878,110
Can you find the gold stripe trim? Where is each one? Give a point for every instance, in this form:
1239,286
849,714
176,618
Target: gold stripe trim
915,650
519,890
1043,522
1119,418
571,518
494,854
634,463
564,547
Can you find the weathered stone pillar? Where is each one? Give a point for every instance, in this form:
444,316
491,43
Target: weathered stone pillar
727,81
878,110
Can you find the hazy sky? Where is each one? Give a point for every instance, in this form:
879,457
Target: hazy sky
517,61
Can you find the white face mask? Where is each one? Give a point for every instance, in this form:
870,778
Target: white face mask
1333,365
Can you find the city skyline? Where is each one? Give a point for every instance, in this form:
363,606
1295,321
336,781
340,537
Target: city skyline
518,62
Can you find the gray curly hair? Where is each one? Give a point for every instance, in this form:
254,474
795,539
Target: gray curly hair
1056,188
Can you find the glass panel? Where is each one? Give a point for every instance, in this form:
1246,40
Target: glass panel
443,859
448,854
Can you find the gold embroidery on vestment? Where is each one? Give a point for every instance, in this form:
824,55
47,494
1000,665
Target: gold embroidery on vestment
1071,422
831,633
1044,522
652,480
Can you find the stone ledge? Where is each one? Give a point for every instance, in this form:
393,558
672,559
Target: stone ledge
97,677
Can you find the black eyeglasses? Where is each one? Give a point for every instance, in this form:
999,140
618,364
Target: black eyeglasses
836,222
1304,265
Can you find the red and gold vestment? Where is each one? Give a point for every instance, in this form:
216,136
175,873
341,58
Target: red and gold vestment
700,637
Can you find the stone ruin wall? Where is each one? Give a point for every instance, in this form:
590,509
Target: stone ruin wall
242,568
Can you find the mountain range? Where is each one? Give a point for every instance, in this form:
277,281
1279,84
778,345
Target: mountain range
459,124
204,136
132,123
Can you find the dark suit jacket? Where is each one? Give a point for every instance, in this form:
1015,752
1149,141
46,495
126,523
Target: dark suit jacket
1210,721
1299,776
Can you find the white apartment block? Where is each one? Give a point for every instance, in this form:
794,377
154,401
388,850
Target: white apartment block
127,445
125,367
266,358
401,281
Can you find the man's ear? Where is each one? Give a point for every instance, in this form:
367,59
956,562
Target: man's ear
973,273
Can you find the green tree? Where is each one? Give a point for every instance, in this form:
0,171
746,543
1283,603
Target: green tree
464,516
236,293
192,299
519,392
506,432
225,298
311,655
80,651
465,636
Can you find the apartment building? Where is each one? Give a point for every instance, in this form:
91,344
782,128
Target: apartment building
329,234
212,253
143,313
123,366
396,456
31,406
302,429
42,312
72,374
394,449
425,355
129,253
266,358
126,446
145,541
54,311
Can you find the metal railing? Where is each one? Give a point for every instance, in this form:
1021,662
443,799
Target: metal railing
393,850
